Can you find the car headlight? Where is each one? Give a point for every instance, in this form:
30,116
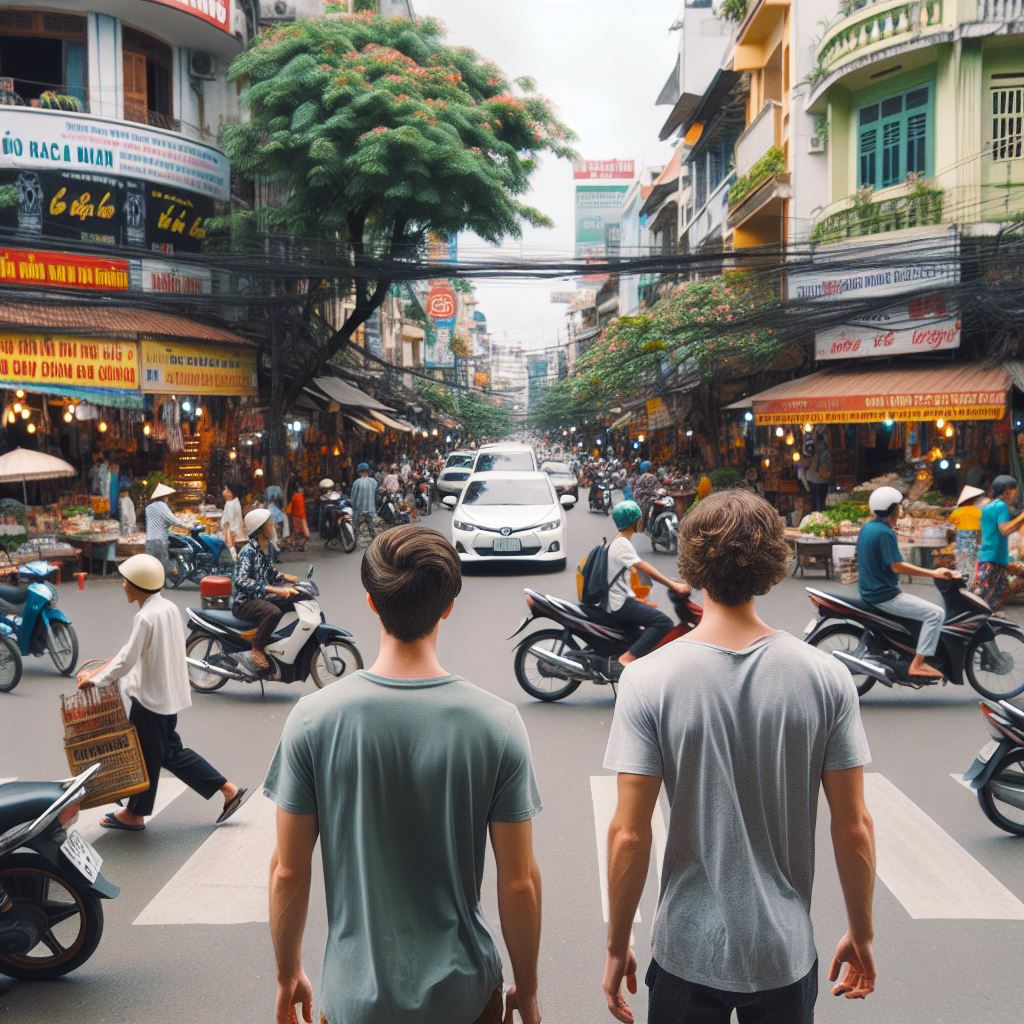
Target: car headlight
459,525
553,525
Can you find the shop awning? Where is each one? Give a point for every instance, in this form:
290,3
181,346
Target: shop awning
622,421
400,425
365,424
347,394
952,391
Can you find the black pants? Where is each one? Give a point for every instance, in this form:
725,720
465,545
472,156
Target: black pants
264,614
162,748
675,1001
819,494
656,625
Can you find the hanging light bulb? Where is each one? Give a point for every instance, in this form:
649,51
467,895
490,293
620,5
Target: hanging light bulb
748,416
796,456
767,462
68,417
949,430
259,472
31,428
147,429
779,432
25,413
940,423
186,406
889,422
790,439
102,428
199,411
808,428
19,393
232,455
16,407
11,417
434,432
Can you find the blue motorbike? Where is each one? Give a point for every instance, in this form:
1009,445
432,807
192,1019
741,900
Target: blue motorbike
30,613
10,658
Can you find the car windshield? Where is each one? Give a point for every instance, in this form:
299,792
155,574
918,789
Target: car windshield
459,461
503,462
507,492
556,467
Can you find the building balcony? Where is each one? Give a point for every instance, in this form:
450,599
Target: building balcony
912,204
762,17
708,223
218,27
759,136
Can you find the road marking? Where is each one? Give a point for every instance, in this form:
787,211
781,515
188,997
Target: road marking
225,880
88,824
13,778
925,869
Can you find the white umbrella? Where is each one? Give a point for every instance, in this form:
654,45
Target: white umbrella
24,465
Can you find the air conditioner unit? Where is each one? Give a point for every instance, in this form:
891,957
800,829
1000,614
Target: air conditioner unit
201,65
815,144
289,10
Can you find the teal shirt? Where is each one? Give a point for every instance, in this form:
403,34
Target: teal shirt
404,776
877,549
994,546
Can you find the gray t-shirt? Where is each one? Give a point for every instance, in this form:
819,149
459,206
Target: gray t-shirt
741,739
404,776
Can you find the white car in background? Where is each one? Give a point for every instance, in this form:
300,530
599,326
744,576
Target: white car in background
458,468
505,458
506,517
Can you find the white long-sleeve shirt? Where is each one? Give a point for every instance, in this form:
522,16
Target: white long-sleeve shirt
152,663
231,519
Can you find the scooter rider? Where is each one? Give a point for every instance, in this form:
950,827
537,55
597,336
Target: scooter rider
880,565
262,595
326,489
621,605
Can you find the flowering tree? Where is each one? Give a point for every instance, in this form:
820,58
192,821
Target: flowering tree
624,361
375,134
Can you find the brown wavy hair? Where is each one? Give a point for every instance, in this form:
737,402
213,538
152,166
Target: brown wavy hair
732,547
413,575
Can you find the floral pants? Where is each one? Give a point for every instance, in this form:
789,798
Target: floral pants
991,583
966,553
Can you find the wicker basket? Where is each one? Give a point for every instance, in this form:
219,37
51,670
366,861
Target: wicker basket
92,710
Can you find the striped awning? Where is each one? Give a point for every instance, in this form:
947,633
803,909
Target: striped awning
399,425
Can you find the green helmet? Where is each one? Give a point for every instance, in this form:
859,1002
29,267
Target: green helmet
626,513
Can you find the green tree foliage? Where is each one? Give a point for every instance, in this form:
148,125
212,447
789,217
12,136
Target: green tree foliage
623,361
480,416
376,133
559,406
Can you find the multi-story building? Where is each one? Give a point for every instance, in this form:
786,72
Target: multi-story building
509,374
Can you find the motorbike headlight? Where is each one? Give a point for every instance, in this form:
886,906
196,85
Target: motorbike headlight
459,525
553,525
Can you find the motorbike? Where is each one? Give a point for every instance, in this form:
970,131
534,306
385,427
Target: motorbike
51,917
338,523
552,663
997,774
10,658
663,523
601,494
424,496
219,645
878,647
34,620
391,511
192,556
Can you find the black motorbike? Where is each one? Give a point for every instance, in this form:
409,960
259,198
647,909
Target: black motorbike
997,774
663,523
390,511
51,918
552,663
193,556
878,647
601,494
338,526
424,495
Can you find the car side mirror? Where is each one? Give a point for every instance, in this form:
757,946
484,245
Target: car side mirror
567,501
449,501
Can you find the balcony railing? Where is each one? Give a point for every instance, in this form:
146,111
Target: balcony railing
920,206
1000,10
759,136
711,216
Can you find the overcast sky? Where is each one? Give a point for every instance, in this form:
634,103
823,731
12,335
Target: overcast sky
602,64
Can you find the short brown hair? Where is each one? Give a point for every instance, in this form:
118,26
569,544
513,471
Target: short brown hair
413,575
732,546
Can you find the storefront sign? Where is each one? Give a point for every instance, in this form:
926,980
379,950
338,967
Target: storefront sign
372,335
620,170
907,407
53,140
442,305
28,268
926,324
213,12
63,361
657,414
193,369
167,278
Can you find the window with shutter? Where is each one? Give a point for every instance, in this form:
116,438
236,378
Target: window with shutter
868,144
1008,122
895,138
917,137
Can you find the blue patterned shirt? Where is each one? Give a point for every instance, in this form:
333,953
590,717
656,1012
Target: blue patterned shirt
254,572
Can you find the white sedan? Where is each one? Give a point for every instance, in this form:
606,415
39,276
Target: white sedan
510,516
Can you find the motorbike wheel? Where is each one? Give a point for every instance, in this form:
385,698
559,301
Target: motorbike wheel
427,507
532,677
995,668
1002,814
10,664
62,644
348,538
848,639
75,919
332,660
202,648
178,570
332,542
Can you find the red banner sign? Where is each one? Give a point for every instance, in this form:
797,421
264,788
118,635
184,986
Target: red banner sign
442,303
27,267
615,170
214,12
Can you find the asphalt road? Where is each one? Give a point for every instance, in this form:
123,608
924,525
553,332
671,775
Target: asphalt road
186,940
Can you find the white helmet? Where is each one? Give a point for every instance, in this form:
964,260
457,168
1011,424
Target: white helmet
326,484
144,572
883,498
255,520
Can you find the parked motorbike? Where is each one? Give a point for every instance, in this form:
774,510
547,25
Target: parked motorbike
663,523
219,646
51,918
10,658
32,617
997,774
878,647
552,663
601,494
391,511
338,530
192,556
424,496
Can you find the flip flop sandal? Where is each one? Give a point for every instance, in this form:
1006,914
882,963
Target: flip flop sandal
231,806
114,823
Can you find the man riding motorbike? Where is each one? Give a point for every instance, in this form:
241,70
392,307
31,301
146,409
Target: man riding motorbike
645,487
880,565
621,605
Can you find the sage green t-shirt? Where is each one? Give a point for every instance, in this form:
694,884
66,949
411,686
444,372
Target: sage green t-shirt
404,776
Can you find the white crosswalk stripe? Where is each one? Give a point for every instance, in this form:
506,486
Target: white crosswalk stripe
925,869
225,880
88,824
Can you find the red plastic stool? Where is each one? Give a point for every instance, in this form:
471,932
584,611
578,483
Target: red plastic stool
80,576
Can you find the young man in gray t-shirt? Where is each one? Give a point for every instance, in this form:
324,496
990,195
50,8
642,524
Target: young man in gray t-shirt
402,771
742,724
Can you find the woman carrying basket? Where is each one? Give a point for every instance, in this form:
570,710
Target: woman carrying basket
152,664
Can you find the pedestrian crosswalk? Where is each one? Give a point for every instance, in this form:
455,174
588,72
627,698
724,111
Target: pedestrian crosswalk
224,880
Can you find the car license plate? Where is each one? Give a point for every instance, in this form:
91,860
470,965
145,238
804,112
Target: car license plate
507,544
809,628
82,855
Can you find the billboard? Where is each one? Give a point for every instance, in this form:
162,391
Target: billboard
170,367
598,222
61,361
214,12
29,268
603,170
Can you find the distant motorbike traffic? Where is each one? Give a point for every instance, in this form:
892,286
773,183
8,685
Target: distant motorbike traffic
338,526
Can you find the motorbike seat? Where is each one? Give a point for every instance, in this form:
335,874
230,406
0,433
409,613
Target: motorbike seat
13,595
22,802
223,619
